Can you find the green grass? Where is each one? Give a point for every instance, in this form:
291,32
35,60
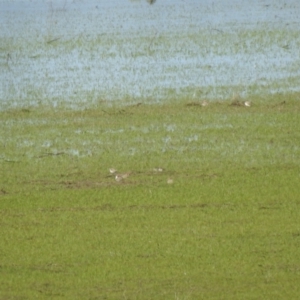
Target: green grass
227,228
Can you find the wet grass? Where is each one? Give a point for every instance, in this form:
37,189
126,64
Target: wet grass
155,64
228,226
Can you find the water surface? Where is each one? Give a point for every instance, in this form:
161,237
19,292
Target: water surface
80,53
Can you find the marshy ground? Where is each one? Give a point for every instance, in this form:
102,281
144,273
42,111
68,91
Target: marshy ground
204,202
226,227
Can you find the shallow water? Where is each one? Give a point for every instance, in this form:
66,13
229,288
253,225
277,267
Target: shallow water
80,53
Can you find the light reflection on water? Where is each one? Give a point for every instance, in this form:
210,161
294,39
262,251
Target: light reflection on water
81,52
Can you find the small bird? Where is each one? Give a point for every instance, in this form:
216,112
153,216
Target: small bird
125,175
204,103
170,181
158,169
112,171
247,103
120,177
151,1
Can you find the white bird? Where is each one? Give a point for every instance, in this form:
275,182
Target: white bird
112,171
204,103
247,103
170,181
120,177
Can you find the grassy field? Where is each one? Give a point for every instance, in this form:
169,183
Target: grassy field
227,227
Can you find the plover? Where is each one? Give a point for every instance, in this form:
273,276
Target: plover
247,103
125,175
112,171
120,177
170,181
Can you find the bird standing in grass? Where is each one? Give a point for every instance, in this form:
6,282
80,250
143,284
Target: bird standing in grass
120,177
112,170
170,181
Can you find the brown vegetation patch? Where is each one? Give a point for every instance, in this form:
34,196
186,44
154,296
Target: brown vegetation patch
236,103
110,207
3,192
193,104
